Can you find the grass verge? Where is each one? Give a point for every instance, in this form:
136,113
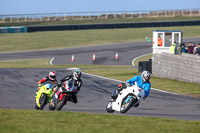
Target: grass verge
67,39
15,121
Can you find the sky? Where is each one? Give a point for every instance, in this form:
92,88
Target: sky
8,7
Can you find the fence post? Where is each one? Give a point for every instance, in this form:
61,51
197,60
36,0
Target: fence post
25,18
3,19
199,12
115,15
190,12
33,18
48,18
182,12
17,18
72,16
106,15
89,16
10,18
40,17
65,16
81,16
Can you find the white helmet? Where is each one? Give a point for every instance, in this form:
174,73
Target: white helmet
52,76
146,75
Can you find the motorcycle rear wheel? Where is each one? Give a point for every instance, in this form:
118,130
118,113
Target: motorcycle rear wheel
51,105
127,105
61,103
109,107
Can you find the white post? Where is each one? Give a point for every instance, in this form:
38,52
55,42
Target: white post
40,17
25,18
3,19
98,15
33,18
89,15
81,16
72,16
132,14
182,12
199,12
48,18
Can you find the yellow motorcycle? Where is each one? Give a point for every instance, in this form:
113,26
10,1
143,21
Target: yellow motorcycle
44,96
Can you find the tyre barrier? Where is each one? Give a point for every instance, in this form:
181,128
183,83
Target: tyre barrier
112,26
18,29
145,66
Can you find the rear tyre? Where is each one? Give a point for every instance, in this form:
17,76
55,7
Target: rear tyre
51,105
126,105
60,103
43,101
109,107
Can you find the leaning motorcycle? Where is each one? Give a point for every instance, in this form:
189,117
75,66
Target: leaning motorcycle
65,93
125,99
44,96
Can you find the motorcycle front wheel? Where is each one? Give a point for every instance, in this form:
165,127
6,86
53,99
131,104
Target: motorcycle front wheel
109,107
127,103
43,101
61,103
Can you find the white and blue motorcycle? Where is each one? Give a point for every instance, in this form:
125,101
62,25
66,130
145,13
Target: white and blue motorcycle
125,99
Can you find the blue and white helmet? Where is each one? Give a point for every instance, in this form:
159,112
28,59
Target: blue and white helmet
146,75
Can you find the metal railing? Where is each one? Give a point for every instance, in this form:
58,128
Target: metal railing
96,15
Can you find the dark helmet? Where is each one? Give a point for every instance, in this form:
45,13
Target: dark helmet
77,74
52,76
146,75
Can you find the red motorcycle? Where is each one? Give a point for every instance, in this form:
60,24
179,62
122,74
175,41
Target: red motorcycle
65,93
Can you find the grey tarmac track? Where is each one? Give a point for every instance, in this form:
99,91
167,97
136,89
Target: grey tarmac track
18,87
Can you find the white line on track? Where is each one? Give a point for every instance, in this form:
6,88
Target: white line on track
120,81
51,61
133,61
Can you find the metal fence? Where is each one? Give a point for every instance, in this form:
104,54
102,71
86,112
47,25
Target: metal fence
96,15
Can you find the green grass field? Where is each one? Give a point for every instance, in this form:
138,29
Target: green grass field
31,121
65,39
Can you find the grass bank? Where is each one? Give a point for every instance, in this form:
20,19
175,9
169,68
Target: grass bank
67,39
21,121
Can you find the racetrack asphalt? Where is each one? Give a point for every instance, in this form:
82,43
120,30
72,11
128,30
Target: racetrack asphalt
18,88
18,84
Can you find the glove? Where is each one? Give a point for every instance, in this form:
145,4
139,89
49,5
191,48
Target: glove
39,85
127,84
